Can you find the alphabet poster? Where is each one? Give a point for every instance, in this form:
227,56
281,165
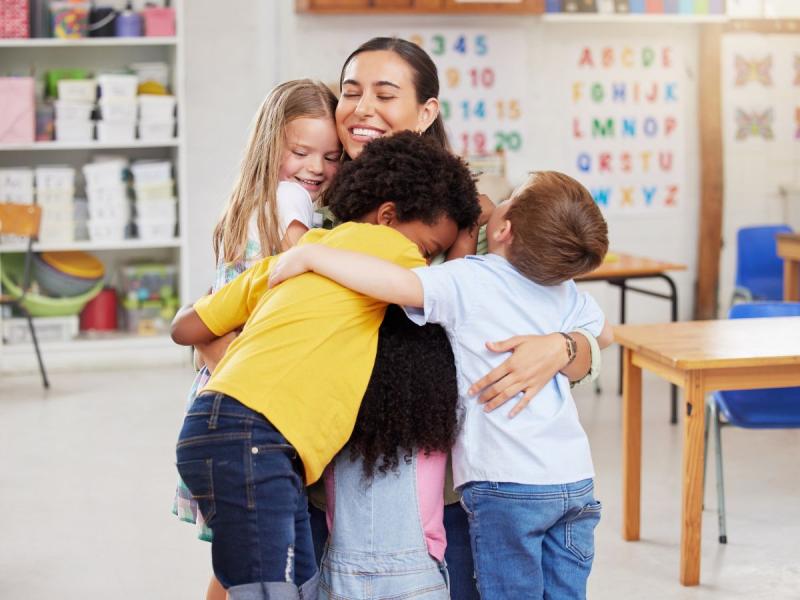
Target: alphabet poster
627,125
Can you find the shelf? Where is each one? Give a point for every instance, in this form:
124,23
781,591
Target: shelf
631,18
93,145
90,245
87,42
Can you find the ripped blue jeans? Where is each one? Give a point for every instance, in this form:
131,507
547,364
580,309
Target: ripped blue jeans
532,541
248,483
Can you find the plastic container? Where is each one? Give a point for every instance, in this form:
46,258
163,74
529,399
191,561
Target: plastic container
77,90
118,86
66,274
49,197
70,131
156,229
148,281
100,314
153,107
112,132
151,72
155,131
16,185
61,233
146,172
159,22
37,304
118,109
157,210
70,19
45,122
70,110
48,329
150,317
104,173
110,211
102,21
107,194
128,24
55,177
106,231
154,191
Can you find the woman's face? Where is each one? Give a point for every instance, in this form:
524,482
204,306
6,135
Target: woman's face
379,98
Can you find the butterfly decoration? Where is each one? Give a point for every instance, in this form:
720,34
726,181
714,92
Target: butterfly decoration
797,69
754,124
753,70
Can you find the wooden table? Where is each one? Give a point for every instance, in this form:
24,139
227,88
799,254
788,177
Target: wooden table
617,269
789,251
700,356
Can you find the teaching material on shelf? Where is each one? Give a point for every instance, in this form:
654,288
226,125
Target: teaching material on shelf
107,194
14,21
70,18
75,89
48,329
55,191
16,185
17,110
156,206
149,297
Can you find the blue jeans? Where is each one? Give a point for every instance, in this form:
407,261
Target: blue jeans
458,554
532,541
248,482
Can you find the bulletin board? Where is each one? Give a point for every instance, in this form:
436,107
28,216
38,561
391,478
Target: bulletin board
482,74
625,120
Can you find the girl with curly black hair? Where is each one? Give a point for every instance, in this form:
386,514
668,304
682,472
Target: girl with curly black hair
385,501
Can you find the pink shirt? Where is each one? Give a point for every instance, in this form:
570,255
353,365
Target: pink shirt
430,500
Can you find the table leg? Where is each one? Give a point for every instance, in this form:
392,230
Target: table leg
692,495
791,280
622,289
631,446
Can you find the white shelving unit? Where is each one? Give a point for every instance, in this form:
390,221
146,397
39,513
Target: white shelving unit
635,18
115,349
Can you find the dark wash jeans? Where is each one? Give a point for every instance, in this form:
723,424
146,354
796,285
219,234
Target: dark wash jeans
248,482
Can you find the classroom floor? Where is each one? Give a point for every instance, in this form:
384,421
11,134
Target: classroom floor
87,479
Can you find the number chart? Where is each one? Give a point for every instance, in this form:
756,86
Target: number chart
482,86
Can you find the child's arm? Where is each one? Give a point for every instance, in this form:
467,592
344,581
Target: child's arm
188,329
368,275
606,337
467,240
211,353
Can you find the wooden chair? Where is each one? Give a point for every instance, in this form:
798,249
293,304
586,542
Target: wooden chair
23,220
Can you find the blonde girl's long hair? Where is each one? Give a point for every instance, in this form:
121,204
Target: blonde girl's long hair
256,186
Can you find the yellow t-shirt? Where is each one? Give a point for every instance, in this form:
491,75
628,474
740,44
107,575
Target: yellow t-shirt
307,347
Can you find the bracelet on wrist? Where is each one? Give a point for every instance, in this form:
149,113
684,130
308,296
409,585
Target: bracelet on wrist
572,347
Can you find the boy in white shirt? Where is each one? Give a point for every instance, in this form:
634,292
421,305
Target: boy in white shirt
526,482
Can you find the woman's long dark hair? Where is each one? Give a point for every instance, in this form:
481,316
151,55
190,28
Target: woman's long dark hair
411,398
426,77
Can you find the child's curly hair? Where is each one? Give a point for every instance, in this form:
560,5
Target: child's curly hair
424,180
411,398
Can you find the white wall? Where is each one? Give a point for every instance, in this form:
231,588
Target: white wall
227,79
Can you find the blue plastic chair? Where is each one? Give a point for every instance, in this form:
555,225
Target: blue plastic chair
777,408
759,269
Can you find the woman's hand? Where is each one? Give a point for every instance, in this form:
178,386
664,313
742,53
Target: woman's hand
534,361
211,353
290,264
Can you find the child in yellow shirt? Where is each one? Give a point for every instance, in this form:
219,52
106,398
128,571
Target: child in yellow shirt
284,398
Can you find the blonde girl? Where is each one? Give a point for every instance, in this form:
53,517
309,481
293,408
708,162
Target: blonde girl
292,154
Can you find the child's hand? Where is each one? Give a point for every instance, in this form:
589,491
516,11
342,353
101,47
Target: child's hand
487,208
290,264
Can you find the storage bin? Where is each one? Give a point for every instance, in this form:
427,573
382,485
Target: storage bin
77,90
106,194
70,19
156,229
14,22
159,22
48,329
104,173
71,131
100,314
157,210
45,122
156,108
18,114
54,177
154,191
150,317
110,211
106,231
147,172
117,86
48,197
59,233
112,132
67,274
72,111
148,281
154,131
16,185
118,109
151,72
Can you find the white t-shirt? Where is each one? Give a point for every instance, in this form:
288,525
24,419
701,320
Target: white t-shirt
294,204
484,298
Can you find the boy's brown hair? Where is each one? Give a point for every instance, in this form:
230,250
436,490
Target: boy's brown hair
558,230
